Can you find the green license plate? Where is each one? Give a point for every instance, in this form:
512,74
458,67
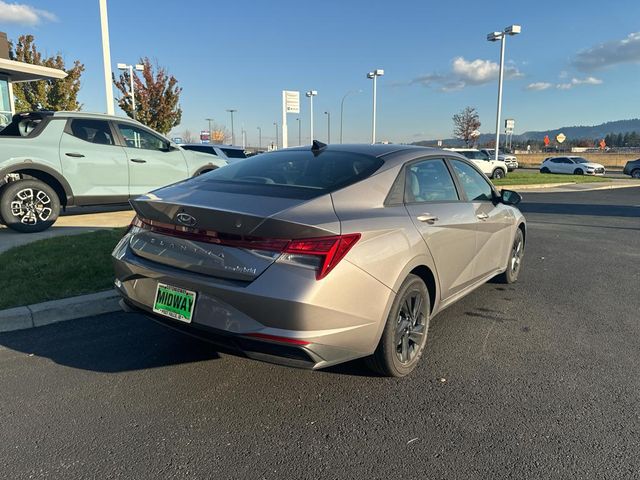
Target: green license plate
174,302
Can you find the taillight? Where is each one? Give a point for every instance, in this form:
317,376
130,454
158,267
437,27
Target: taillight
320,253
329,250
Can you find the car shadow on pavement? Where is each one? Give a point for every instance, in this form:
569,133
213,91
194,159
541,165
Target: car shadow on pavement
110,343
627,211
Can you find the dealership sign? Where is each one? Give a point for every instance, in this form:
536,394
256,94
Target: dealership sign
291,101
561,137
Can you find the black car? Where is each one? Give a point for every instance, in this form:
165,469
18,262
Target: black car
632,168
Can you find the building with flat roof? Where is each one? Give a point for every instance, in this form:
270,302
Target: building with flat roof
14,72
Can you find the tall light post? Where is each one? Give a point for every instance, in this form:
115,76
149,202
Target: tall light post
311,94
299,132
494,37
276,124
139,68
233,133
259,138
328,114
374,75
106,56
342,108
210,132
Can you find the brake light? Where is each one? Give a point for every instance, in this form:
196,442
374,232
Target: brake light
330,250
322,253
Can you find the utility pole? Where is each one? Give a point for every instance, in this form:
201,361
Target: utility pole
106,56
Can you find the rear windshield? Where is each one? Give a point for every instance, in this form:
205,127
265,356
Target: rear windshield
234,152
198,148
283,173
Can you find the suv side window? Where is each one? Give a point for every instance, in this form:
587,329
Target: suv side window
473,183
92,131
135,137
429,181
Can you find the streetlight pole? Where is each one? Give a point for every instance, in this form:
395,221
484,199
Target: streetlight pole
210,132
259,138
502,37
342,108
233,133
328,114
374,76
276,124
299,133
311,94
106,56
139,68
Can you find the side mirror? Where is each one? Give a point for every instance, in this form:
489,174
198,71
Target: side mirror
509,197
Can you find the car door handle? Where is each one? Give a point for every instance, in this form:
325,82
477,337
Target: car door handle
427,218
138,160
74,155
482,216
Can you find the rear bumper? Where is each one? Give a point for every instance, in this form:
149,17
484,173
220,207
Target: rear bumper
333,320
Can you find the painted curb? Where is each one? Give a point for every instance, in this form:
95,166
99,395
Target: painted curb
55,311
547,186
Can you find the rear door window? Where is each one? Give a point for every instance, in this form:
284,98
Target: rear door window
429,181
92,131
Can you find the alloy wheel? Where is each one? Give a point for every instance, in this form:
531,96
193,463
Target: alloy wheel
31,206
410,328
636,173
516,255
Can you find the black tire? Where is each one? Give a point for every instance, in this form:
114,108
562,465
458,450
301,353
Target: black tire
400,337
544,170
635,173
498,173
29,206
578,171
510,275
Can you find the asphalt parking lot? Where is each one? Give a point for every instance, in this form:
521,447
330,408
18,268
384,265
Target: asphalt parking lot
535,380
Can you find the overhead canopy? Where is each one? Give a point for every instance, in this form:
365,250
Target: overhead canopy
25,72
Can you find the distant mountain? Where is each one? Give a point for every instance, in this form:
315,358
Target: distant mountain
572,133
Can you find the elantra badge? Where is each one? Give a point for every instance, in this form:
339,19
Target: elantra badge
186,219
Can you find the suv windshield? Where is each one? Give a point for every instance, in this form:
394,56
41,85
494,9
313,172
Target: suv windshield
322,172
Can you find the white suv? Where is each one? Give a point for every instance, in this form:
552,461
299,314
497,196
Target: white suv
490,167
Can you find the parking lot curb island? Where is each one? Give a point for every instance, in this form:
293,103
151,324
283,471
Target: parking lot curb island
45,313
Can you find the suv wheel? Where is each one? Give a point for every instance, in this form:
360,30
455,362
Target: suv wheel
510,275
578,171
29,206
635,173
405,333
544,170
498,173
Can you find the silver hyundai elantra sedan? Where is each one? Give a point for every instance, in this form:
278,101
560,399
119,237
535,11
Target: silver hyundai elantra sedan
318,255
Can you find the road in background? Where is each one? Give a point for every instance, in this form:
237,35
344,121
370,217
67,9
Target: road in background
533,380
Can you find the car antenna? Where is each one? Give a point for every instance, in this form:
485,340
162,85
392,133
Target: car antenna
317,145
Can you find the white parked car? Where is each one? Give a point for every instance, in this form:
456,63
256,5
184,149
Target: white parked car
571,165
510,159
490,167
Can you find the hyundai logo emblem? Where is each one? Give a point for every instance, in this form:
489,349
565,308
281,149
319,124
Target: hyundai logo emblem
186,219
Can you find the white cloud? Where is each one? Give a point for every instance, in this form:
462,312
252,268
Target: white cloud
539,86
466,72
579,81
605,54
22,14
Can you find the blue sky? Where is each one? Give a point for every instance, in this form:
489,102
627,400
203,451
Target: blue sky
575,63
